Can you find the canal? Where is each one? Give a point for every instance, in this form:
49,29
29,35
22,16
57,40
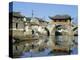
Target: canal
44,46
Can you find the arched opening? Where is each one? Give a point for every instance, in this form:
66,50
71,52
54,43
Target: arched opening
48,33
58,30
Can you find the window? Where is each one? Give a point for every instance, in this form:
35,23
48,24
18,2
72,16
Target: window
54,20
16,25
65,20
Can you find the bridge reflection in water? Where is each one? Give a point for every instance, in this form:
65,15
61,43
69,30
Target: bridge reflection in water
46,46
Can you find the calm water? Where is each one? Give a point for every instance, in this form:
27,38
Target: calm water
48,52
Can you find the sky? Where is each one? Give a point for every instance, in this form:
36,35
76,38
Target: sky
43,10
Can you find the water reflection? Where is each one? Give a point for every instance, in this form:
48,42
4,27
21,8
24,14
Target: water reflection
44,46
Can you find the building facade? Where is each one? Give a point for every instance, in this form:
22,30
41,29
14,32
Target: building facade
61,19
16,21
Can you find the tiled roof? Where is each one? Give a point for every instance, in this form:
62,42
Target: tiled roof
16,14
60,17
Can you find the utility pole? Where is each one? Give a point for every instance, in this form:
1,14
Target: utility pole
32,13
